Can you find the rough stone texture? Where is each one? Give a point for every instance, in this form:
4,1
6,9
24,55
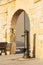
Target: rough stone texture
8,15
19,60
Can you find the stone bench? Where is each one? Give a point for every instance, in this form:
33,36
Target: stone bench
3,46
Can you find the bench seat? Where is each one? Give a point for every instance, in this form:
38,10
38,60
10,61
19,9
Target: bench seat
3,46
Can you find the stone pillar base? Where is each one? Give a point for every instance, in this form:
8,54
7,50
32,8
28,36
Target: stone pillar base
13,48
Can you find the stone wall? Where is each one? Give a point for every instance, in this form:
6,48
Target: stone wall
35,13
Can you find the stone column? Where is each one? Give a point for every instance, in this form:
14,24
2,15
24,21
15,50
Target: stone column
13,42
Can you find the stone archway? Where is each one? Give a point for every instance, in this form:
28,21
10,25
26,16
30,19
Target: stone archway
25,26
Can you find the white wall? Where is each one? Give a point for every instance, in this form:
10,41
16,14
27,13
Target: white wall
20,29
23,21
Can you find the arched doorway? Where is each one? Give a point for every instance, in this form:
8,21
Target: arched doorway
20,22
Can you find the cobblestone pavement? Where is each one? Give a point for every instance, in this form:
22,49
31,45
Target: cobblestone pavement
18,60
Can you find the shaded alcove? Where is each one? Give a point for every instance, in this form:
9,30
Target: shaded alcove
20,22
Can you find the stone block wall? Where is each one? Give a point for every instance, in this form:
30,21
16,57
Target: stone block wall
35,13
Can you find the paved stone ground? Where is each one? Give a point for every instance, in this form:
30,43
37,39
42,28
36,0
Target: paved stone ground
18,60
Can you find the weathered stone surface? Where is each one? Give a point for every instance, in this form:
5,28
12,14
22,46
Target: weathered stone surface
35,14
